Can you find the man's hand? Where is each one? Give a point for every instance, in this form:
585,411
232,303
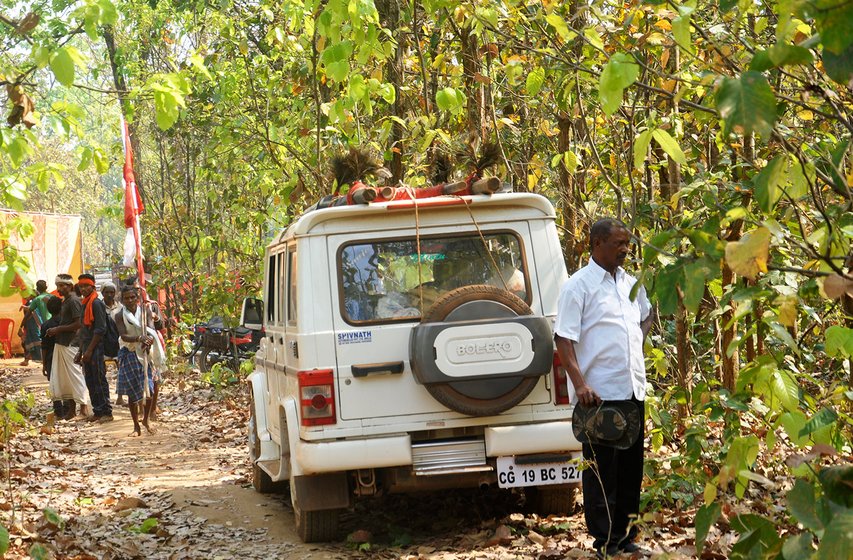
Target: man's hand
587,396
87,357
77,358
51,331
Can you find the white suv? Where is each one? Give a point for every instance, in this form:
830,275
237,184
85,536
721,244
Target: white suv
409,346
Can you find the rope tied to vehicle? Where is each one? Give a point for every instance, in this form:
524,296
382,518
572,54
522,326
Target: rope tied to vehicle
482,238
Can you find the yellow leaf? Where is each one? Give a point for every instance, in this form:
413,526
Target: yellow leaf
749,256
664,24
710,492
806,115
787,310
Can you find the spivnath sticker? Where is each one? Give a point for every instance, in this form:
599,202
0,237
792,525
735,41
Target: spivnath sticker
355,337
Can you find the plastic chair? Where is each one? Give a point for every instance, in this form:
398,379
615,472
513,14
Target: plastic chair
7,327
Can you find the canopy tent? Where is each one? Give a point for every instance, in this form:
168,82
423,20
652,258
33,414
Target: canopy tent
55,246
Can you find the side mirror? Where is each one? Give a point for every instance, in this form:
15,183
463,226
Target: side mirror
252,315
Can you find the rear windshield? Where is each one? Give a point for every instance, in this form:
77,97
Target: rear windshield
382,281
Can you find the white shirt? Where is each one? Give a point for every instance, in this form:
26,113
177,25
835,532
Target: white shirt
596,313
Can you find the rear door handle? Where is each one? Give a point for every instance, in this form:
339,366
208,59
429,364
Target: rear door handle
363,370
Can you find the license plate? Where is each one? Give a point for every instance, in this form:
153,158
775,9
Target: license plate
514,475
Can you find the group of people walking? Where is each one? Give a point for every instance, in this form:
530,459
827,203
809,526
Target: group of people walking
77,332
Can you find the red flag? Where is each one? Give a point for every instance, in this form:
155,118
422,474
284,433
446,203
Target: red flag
133,205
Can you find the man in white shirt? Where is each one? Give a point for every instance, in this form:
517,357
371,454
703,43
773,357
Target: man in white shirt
599,335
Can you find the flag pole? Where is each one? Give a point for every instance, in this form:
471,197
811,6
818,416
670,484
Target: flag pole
132,203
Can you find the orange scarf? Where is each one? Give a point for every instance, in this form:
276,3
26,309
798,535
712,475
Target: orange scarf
89,313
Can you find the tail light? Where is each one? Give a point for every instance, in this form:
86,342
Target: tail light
317,397
561,382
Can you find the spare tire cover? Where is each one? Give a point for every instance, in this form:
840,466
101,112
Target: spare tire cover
479,350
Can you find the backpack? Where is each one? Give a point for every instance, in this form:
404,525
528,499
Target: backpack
111,338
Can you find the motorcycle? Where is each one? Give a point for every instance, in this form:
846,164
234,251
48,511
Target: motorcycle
230,346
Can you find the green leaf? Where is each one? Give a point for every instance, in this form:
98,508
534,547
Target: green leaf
768,183
760,61
39,552
620,72
839,341
148,525
102,163
726,5
681,31
594,38
801,502
785,55
167,108
198,63
747,104
825,417
839,67
669,145
694,284
109,15
837,483
338,71
706,516
53,518
86,159
560,26
641,148
798,547
62,66
800,179
534,82
570,161
4,540
449,99
337,52
666,288
834,20
388,93
784,388
837,541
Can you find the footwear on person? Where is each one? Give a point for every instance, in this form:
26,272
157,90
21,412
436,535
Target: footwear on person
105,418
629,547
608,551
92,418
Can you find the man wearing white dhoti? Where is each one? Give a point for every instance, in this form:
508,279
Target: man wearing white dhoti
67,382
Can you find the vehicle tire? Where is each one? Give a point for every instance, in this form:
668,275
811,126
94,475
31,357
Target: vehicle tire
314,526
261,481
557,499
457,395
206,358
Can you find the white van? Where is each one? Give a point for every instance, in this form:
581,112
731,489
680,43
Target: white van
409,346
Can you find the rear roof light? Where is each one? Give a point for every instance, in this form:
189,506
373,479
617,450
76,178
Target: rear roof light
317,397
561,382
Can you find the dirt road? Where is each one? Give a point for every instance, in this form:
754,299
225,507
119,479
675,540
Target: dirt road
184,492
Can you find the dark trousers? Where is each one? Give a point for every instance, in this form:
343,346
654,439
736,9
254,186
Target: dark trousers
611,488
95,373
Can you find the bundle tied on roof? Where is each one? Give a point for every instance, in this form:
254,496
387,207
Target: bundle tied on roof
353,168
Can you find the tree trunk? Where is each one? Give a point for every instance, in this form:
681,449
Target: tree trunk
124,103
473,89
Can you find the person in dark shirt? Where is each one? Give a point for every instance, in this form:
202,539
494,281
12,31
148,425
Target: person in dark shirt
66,377
54,306
91,352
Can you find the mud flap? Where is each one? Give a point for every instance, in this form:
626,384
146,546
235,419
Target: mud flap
321,491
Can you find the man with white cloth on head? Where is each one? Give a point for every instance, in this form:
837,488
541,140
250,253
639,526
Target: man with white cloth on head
135,341
67,383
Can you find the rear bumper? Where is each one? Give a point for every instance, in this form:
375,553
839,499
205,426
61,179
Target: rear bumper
395,451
